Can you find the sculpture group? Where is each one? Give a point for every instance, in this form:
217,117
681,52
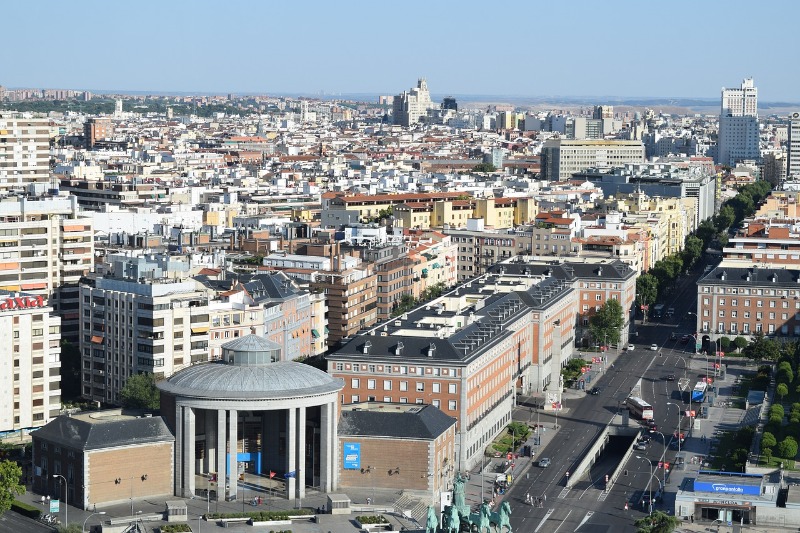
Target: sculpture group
458,518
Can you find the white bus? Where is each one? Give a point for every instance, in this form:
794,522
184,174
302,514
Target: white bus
640,408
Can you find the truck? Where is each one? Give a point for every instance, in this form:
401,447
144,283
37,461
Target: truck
658,310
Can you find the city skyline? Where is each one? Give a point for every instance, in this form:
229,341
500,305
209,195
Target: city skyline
542,50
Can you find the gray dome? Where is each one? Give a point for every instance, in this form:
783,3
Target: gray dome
216,380
251,350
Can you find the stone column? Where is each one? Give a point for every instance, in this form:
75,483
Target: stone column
221,450
291,436
211,444
188,452
179,481
301,452
334,446
326,418
233,464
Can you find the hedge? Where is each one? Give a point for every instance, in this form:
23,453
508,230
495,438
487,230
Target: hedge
372,519
26,510
176,528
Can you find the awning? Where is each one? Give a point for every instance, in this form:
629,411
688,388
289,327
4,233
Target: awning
97,339
326,329
197,331
314,333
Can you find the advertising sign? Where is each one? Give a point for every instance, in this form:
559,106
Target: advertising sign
726,488
352,455
54,506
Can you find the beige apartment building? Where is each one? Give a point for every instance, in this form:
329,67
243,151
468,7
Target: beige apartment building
561,158
24,151
46,245
30,361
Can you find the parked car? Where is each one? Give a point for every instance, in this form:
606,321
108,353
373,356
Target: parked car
544,462
640,446
671,377
629,348
594,391
654,347
644,437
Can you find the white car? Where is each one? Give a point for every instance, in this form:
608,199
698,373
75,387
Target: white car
629,348
544,462
654,347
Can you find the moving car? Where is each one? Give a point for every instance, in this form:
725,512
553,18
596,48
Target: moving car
654,347
640,446
644,437
594,391
629,348
671,377
544,462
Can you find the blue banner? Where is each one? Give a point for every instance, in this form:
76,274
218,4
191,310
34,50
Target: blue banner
352,455
726,488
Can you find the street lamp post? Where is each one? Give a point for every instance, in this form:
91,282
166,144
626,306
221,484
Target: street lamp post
83,527
649,481
66,496
679,420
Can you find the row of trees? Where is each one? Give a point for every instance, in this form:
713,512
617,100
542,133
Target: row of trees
654,284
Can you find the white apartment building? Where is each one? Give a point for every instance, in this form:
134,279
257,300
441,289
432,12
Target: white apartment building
46,245
138,320
793,143
561,158
410,106
738,124
30,362
24,151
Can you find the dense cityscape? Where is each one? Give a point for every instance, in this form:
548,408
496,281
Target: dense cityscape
413,313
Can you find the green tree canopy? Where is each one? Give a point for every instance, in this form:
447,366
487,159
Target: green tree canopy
706,232
484,167
768,440
724,219
781,390
140,392
740,343
692,250
762,348
787,448
607,322
658,522
646,289
10,476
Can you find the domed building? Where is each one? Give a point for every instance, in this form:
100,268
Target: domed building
252,413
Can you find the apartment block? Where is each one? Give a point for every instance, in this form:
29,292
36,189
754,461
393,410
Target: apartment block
46,246
140,318
561,158
30,361
24,151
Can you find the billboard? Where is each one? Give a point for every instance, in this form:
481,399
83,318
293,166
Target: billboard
352,455
726,488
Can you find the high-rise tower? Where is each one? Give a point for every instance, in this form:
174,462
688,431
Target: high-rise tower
738,124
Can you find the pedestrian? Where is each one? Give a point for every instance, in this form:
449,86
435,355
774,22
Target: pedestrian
692,519
527,497
544,496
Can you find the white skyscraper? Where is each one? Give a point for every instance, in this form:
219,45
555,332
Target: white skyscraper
793,154
738,124
412,105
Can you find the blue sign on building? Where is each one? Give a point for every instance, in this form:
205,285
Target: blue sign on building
726,488
352,455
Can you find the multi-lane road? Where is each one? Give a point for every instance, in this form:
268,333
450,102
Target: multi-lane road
588,507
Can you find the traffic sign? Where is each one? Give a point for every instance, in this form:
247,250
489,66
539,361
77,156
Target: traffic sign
54,506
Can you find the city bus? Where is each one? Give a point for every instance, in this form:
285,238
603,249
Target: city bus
640,408
699,392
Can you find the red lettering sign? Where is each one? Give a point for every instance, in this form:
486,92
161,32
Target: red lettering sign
22,302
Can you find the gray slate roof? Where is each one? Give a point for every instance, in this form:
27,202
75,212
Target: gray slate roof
217,380
87,433
427,423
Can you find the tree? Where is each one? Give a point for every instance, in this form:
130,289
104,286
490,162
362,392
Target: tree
740,343
724,343
706,232
768,440
646,289
724,218
484,167
762,348
140,392
781,390
658,522
606,323
10,476
787,448
692,250
767,453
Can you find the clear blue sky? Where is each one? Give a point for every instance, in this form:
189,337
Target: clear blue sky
527,48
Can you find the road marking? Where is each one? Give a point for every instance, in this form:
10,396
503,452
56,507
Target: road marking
585,519
602,496
562,522
564,493
546,516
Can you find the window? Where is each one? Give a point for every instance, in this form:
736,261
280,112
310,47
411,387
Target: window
721,312
734,303
371,384
420,386
597,297
451,388
436,403
355,383
722,301
452,405
435,388
759,303
355,398
403,386
387,384
419,401
772,303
